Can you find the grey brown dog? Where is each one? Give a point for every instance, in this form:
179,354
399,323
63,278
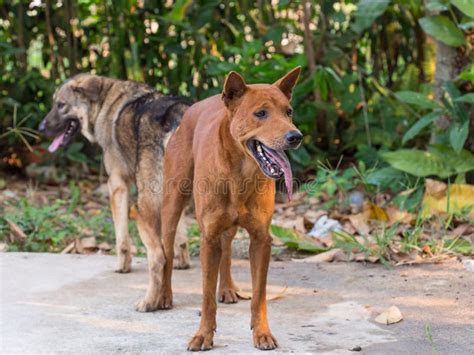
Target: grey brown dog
132,123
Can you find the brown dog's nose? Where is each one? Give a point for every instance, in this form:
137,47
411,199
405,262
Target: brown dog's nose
293,138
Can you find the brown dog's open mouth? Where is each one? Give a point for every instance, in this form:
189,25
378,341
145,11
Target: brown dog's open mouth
65,137
273,163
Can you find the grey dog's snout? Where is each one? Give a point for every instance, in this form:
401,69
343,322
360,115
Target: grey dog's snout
42,126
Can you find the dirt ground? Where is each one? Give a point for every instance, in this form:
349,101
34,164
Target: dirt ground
76,304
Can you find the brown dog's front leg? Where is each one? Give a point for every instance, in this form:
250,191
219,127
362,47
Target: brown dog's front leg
210,258
260,252
228,291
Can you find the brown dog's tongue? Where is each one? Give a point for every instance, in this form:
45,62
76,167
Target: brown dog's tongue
282,160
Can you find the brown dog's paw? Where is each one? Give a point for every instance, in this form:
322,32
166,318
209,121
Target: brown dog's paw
124,270
201,342
264,340
166,300
124,263
146,306
228,295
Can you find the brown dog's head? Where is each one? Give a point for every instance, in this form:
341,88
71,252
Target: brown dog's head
70,114
261,122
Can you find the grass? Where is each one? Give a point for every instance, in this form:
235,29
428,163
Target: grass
51,226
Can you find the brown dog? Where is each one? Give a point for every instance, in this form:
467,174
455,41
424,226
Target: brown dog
227,152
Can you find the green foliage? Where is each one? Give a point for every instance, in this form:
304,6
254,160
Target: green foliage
443,29
367,12
194,239
49,229
294,241
468,98
437,161
416,99
465,6
419,125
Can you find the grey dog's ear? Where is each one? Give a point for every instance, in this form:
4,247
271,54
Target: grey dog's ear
90,87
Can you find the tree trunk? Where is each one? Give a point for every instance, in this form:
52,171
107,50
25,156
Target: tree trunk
49,30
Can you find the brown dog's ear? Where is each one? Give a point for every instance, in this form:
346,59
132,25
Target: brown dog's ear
90,87
234,87
288,82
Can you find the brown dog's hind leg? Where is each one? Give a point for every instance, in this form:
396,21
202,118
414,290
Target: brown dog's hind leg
118,192
228,291
260,252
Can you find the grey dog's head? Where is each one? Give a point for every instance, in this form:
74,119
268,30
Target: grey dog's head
70,114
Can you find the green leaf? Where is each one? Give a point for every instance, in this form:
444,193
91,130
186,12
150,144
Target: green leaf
466,25
469,98
458,135
443,29
436,6
293,241
387,177
439,161
417,99
419,125
466,6
179,10
367,12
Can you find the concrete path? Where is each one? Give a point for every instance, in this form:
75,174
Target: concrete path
76,304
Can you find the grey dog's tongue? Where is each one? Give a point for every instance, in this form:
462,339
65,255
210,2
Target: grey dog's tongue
284,163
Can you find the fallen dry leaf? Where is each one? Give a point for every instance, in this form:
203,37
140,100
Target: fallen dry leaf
328,256
390,316
104,246
279,296
377,213
17,232
244,295
359,222
397,216
313,216
3,247
69,248
293,223
439,198
89,243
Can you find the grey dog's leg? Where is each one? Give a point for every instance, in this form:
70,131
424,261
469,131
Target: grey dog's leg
118,191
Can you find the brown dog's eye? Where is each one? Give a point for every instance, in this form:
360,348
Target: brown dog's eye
289,112
261,114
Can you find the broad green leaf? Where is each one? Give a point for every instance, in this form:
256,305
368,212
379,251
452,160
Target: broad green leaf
458,135
443,29
466,25
436,6
386,177
439,161
469,98
179,10
417,99
419,125
367,12
467,76
466,6
294,241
